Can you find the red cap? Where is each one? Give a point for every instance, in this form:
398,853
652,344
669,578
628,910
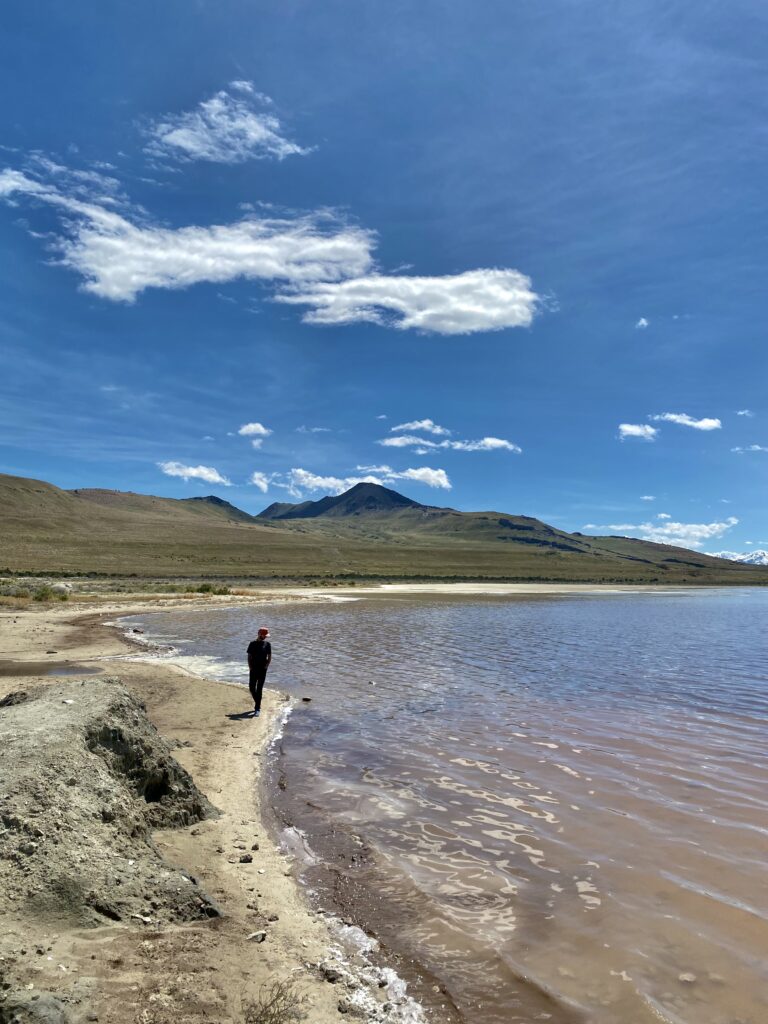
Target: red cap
263,631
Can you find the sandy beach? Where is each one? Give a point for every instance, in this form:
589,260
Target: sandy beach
196,971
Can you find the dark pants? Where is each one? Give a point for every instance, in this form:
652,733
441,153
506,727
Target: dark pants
256,684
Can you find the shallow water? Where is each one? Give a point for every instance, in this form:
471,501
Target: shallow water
564,798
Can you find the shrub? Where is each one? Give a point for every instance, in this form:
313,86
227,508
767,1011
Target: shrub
209,588
280,1002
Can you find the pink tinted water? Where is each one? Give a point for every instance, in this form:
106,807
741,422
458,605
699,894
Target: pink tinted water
565,799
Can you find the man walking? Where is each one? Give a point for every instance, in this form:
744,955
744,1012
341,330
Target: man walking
259,657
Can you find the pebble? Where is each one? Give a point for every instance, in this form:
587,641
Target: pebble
257,937
687,977
246,858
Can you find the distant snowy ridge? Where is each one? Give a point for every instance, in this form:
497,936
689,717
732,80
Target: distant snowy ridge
748,557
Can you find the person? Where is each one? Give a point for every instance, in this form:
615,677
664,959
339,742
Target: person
259,657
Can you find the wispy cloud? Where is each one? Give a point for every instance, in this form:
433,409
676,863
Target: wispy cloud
663,515
640,430
206,473
406,441
477,300
234,125
423,444
687,535
684,420
745,412
647,497
313,430
118,258
316,260
428,426
641,324
750,448
485,444
260,480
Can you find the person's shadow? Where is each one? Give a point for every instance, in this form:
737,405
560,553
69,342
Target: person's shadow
242,714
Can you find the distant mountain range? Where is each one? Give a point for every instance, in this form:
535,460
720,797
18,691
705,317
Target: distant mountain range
757,557
369,532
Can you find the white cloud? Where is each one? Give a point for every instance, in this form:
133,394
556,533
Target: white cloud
687,535
422,444
485,444
257,442
313,430
428,426
382,416
225,129
118,259
641,430
745,412
406,441
254,430
260,480
425,475
298,481
663,515
751,448
641,324
647,497
684,420
207,473
477,300
315,260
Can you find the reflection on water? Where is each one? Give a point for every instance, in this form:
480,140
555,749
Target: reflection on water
565,798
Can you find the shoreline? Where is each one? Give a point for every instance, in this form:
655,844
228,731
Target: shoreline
226,756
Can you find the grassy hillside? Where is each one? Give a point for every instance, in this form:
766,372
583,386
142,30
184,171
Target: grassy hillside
43,528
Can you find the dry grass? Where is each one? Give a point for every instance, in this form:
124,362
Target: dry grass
45,530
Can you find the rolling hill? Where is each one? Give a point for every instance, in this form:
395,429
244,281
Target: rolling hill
369,531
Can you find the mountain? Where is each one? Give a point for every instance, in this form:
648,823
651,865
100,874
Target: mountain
368,532
128,500
757,557
362,499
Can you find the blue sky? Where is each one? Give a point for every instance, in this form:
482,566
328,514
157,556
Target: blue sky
489,234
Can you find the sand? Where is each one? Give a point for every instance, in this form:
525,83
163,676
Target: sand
199,971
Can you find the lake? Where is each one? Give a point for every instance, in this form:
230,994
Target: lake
556,805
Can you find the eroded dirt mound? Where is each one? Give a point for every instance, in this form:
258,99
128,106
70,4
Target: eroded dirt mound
85,778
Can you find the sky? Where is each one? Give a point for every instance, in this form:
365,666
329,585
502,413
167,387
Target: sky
496,255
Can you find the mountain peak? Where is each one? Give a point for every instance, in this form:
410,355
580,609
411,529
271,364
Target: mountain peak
365,498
